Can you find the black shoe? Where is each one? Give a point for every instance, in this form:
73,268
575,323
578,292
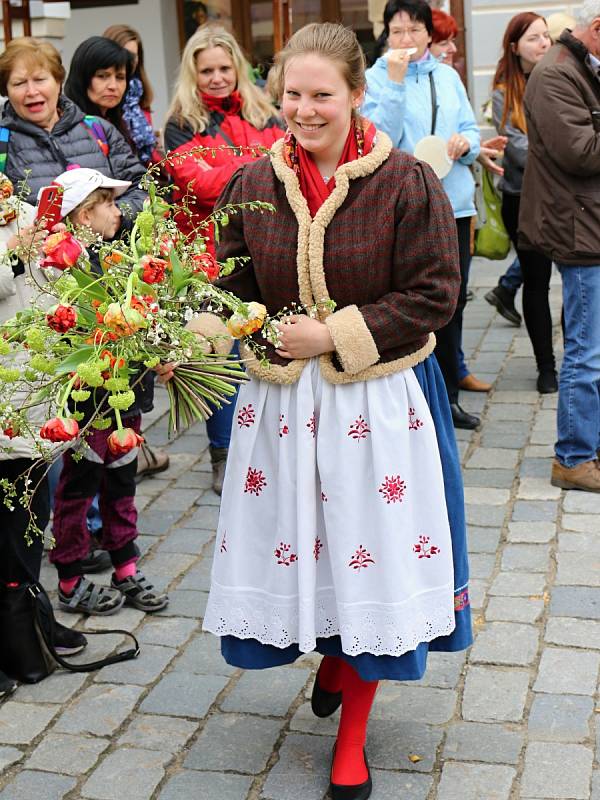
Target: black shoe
547,382
7,685
96,561
361,791
504,303
218,459
324,703
462,419
68,642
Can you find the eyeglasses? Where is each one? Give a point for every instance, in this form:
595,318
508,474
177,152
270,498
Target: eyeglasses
412,32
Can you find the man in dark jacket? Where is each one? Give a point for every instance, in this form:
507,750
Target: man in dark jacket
560,216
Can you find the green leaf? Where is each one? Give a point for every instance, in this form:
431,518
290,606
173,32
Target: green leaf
93,289
72,361
180,277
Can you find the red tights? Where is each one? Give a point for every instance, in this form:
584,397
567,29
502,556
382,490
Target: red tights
335,674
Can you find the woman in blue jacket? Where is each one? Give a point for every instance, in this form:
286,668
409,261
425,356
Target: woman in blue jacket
411,95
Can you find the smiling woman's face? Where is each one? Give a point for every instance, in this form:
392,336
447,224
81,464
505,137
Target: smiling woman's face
33,93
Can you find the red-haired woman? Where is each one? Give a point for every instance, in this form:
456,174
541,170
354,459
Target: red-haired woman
445,31
525,42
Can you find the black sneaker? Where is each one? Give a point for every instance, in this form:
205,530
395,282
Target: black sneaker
7,685
68,642
96,561
547,382
504,303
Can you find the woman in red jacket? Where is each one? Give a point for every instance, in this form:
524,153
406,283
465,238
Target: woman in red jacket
216,105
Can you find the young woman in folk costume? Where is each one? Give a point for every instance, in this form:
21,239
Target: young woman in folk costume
342,524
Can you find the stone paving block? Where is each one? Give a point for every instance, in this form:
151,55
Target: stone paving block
505,643
185,540
100,710
573,632
577,569
66,754
305,721
509,439
493,458
20,723
266,691
475,495
475,782
494,478
30,785
206,517
571,542
537,489
170,632
494,695
514,609
203,656
595,785
581,503
181,694
518,584
515,397
56,688
155,523
198,577
477,593
194,480
535,468
531,532
560,718
509,412
485,516
568,671
475,741
403,702
191,784
234,742
483,540
390,745
151,662
168,734
190,443
394,785
185,604
9,756
302,770
443,670
481,565
525,558
575,601
557,771
177,499
584,523
534,511
539,451
128,620
127,773
168,564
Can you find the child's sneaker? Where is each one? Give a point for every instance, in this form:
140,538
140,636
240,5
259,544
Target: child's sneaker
139,593
91,598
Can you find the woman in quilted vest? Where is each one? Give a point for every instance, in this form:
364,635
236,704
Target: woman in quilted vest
342,525
215,106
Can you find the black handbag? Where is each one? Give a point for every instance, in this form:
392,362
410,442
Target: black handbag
27,631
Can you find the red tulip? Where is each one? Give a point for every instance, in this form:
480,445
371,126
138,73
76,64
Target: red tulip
154,269
61,250
11,430
61,318
123,440
208,264
59,429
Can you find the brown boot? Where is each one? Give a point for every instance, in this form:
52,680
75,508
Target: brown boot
472,384
584,476
218,459
150,460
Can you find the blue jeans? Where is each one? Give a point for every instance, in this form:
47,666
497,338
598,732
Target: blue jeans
512,280
579,385
218,427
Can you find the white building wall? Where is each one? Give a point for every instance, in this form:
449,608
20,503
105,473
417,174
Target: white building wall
155,21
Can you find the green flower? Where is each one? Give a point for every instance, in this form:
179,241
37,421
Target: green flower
4,347
80,395
78,415
43,364
101,424
30,374
91,373
151,362
8,375
122,401
116,384
36,340
145,223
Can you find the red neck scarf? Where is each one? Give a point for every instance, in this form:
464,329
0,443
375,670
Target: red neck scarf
359,142
230,105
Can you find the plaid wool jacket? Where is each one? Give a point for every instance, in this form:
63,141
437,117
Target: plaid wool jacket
383,246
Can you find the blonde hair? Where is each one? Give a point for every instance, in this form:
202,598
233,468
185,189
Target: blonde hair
36,53
326,39
187,106
101,195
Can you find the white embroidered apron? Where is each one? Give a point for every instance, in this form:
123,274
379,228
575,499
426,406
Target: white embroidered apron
333,518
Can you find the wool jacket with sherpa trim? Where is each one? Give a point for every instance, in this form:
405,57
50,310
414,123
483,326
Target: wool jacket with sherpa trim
383,246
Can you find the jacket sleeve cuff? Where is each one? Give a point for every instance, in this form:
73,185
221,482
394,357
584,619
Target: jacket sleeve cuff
354,344
213,328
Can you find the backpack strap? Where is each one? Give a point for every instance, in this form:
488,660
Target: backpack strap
4,139
96,130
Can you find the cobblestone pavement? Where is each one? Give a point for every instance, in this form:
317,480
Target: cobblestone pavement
513,718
